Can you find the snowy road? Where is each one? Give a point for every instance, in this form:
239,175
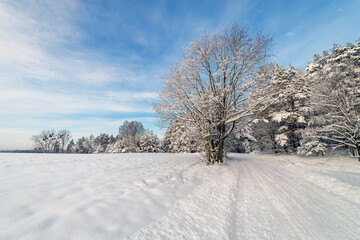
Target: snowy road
266,199
276,202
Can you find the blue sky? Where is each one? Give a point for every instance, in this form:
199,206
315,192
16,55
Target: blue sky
87,66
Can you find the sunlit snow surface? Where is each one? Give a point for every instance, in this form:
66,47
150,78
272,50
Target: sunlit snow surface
173,196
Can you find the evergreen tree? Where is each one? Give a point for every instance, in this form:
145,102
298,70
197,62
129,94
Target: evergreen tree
284,114
70,146
180,139
335,80
101,142
241,139
149,142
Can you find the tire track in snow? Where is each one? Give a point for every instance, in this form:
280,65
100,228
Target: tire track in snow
234,198
318,212
277,204
252,217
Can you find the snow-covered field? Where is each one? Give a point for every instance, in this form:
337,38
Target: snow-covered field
173,196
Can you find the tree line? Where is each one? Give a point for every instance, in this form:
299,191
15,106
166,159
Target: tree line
132,137
225,95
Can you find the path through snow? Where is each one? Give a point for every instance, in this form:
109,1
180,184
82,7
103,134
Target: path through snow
255,197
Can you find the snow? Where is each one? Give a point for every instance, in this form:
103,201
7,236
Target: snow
280,116
301,119
173,196
281,139
57,196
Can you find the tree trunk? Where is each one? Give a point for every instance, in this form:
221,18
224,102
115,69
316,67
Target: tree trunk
220,152
215,147
215,151
352,151
208,151
358,151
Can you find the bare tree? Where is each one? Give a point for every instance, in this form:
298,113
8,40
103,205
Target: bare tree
39,144
64,137
208,90
49,141
128,131
45,141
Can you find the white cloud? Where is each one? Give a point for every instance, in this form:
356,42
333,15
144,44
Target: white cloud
44,103
290,34
125,95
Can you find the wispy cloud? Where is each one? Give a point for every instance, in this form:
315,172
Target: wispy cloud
40,41
126,95
290,34
42,103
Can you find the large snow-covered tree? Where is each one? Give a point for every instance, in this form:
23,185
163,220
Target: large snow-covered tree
208,89
335,77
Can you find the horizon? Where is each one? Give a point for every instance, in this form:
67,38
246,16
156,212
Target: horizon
88,67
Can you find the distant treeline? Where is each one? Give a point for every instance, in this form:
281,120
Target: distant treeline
16,151
132,137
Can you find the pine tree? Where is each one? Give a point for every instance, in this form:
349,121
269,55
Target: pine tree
149,142
279,124
101,142
335,78
180,139
70,146
241,139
